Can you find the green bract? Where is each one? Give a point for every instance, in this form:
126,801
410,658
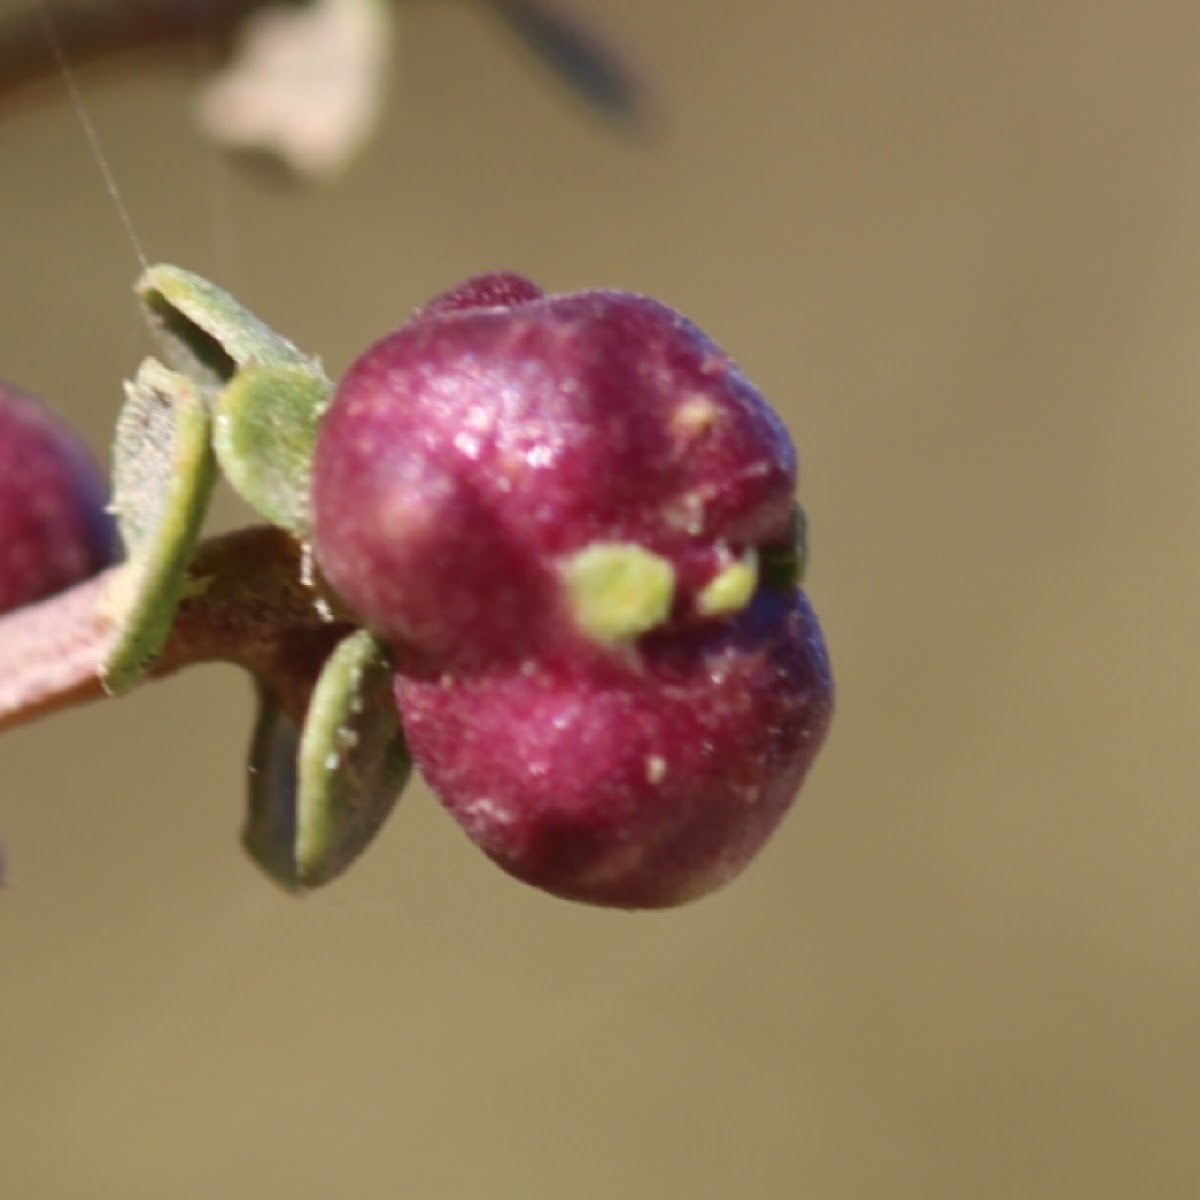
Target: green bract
266,423
238,397
320,794
163,473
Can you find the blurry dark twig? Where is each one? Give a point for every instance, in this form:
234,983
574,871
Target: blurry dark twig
594,71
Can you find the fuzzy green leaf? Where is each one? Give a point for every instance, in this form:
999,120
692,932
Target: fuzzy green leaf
163,474
264,434
205,333
318,798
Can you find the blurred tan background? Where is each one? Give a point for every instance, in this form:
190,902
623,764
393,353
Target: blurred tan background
959,245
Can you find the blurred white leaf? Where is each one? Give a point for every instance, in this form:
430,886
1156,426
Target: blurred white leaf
305,85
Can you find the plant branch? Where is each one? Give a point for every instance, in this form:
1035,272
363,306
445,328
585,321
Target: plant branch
248,604
95,32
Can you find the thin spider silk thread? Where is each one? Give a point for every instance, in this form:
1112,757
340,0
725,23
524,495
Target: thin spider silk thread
89,130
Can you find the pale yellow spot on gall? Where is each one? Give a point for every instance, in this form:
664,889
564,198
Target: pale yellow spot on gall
731,590
617,591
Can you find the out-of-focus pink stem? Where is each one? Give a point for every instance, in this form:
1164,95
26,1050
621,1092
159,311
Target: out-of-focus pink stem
51,653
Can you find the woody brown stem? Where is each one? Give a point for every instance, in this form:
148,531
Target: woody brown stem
250,606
